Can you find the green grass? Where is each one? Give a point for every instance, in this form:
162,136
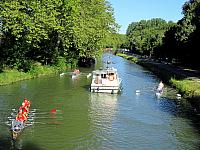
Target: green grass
190,88
9,76
131,58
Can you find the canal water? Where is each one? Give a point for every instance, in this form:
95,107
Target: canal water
95,121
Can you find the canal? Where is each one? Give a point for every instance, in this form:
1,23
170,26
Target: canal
98,121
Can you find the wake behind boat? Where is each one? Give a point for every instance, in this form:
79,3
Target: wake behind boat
105,81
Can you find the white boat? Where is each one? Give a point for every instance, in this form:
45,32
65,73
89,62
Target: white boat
106,81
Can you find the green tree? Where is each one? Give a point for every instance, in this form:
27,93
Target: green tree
45,30
145,36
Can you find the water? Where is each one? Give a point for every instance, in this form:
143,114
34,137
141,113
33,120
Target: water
97,121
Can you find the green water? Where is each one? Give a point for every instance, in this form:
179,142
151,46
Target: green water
94,121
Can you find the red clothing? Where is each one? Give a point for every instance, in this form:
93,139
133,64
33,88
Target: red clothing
20,117
26,103
23,109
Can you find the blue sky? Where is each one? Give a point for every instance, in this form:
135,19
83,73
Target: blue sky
128,11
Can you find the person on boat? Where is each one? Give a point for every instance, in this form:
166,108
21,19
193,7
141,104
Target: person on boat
21,117
76,71
160,87
24,111
26,103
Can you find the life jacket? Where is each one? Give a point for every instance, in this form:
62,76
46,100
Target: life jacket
23,109
26,103
20,117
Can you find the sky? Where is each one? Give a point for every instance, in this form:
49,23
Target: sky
128,11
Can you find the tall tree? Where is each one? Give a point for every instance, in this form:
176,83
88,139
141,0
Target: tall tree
144,36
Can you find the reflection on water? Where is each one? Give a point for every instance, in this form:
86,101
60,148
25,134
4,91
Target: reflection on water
102,108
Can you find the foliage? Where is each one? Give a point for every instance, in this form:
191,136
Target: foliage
173,42
145,36
44,31
10,76
181,42
188,87
61,63
39,70
115,41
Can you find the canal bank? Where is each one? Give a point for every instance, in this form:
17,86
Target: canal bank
186,81
176,76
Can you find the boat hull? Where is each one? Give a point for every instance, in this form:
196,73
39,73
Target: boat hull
105,89
17,127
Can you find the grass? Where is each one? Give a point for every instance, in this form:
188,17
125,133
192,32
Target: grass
131,58
9,76
190,88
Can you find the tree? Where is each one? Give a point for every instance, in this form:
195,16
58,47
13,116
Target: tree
45,30
145,36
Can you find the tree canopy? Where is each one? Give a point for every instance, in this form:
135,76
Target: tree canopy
175,42
181,42
46,30
144,36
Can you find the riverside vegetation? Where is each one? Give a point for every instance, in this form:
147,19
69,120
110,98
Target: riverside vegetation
35,36
189,87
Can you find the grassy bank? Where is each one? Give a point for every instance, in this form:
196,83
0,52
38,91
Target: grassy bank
187,86
9,76
131,58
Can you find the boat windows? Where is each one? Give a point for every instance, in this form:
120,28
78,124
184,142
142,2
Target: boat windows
111,74
103,76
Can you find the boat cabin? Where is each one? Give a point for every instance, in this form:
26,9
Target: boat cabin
102,75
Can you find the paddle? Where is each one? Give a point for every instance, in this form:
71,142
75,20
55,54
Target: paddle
30,111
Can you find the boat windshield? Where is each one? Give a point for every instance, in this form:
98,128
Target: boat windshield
103,75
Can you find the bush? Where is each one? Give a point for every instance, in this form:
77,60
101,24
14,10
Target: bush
61,63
